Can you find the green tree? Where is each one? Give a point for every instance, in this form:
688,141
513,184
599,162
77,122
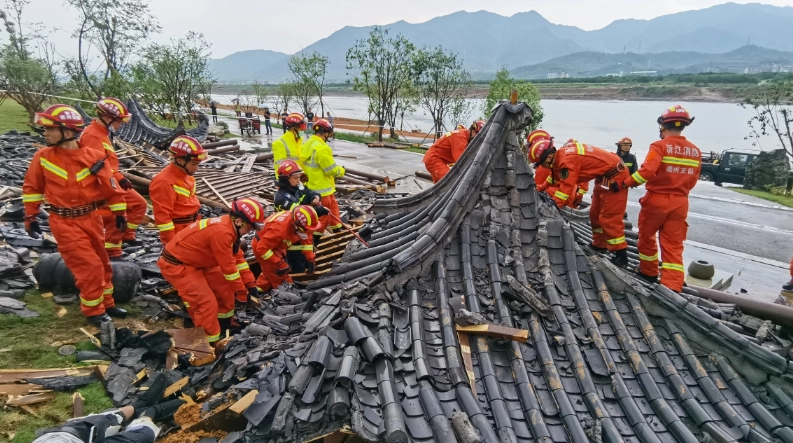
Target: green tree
308,83
29,78
171,77
381,68
115,29
772,105
284,96
501,88
441,83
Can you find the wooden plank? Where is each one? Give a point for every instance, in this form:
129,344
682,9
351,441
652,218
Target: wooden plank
242,404
465,350
18,388
19,375
30,399
77,405
249,160
216,193
171,390
496,331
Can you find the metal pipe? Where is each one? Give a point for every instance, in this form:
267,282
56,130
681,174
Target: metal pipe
781,315
226,149
144,183
219,144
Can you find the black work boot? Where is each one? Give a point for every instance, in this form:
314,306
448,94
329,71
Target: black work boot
97,320
163,410
647,278
134,242
116,312
153,395
788,286
597,249
317,238
620,258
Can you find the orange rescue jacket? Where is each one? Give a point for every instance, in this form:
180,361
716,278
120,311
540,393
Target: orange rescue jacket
209,243
63,177
95,136
450,146
279,235
172,194
579,163
672,167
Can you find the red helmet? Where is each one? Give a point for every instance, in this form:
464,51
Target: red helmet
63,116
625,141
322,125
677,115
295,119
305,218
538,135
540,150
114,108
289,167
249,210
477,125
187,147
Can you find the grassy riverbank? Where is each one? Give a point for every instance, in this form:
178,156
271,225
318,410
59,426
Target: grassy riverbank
784,200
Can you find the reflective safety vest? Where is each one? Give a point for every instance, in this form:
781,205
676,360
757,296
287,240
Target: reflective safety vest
320,166
287,147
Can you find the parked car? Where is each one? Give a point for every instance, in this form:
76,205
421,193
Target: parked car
731,168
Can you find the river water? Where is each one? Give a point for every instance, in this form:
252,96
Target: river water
717,126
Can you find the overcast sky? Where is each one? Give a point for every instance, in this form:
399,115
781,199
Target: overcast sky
288,26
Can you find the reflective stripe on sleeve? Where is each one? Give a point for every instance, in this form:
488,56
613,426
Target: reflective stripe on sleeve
132,226
232,277
330,168
561,195
83,174
118,207
243,266
213,338
301,248
32,198
112,245
673,267
616,241
638,178
165,227
648,257
267,254
181,191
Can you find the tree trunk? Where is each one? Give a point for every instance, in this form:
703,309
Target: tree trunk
380,124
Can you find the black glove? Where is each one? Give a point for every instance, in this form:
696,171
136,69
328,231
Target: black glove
121,223
615,187
125,184
253,291
283,269
310,268
321,210
33,229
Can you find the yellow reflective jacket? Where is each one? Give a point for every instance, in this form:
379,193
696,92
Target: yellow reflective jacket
287,147
317,160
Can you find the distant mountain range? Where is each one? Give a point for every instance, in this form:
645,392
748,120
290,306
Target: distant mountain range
487,41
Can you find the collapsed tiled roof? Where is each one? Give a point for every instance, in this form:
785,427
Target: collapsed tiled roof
605,358
142,129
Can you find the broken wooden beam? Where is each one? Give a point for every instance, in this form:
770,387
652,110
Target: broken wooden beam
77,405
496,331
30,399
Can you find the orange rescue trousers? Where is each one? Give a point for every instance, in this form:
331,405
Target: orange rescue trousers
606,215
437,167
82,249
665,214
206,294
136,209
326,221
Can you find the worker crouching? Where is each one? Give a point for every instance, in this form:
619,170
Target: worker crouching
173,190
111,113
448,149
578,163
290,194
204,264
270,246
321,170
77,183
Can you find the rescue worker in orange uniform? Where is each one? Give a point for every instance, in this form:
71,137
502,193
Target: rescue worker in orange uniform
321,169
624,151
282,230
291,194
77,184
545,179
172,191
669,172
111,113
448,149
577,163
203,262
789,285
288,146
